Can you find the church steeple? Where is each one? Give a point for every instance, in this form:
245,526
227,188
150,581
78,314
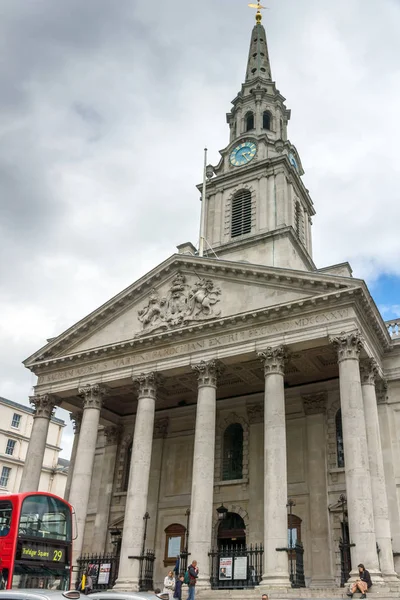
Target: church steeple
257,208
258,64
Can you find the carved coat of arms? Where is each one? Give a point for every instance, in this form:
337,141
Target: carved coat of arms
182,304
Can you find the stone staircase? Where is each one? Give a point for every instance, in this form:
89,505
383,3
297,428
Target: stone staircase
381,593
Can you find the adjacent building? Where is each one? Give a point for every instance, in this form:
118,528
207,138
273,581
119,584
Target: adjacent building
236,382
15,432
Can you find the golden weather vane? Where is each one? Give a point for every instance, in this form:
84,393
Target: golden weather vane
259,7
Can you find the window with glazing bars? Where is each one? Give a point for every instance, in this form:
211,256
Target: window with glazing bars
241,213
16,420
5,475
232,467
10,447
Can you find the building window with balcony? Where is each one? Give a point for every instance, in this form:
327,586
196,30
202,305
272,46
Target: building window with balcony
5,475
16,421
10,447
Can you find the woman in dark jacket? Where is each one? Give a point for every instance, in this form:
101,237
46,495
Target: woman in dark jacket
363,584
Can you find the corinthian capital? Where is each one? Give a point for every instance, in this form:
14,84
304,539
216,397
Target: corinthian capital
44,405
76,419
274,359
347,345
147,384
369,371
92,395
208,372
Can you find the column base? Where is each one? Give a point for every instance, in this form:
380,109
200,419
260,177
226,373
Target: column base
127,585
203,583
392,579
275,581
323,582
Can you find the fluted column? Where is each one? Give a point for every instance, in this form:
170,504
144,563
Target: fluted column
44,406
275,470
80,486
76,419
369,373
111,435
138,486
358,479
201,509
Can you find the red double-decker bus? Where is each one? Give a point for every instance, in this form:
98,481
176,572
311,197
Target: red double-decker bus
35,541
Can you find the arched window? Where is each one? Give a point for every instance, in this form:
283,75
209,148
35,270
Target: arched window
174,543
232,457
339,439
266,120
231,531
128,457
249,121
241,213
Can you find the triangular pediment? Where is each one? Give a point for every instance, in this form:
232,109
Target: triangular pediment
185,291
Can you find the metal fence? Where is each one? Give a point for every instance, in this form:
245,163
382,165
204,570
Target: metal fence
236,567
102,568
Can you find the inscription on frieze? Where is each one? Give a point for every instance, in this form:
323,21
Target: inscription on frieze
183,348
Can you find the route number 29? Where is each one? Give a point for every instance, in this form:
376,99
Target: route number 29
57,556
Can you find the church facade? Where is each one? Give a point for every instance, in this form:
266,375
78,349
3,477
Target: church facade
246,380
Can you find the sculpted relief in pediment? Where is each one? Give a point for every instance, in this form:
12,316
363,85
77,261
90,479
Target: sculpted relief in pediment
182,304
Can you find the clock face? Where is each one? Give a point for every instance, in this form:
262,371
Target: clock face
293,161
243,154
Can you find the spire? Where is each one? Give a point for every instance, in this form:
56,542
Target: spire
258,61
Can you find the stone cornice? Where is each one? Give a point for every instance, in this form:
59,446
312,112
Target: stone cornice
338,290
312,281
266,316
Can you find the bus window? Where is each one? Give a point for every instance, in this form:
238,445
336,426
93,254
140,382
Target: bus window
5,517
45,517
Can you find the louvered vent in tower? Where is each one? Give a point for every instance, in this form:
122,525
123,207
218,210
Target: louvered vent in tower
241,213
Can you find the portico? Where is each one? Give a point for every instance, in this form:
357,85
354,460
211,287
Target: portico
189,382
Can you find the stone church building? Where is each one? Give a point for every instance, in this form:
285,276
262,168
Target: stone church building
237,380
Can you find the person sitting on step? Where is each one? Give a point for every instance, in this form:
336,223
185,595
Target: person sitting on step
362,584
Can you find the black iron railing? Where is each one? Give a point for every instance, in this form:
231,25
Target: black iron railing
102,568
236,567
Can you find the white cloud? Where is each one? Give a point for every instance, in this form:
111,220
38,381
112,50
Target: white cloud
103,129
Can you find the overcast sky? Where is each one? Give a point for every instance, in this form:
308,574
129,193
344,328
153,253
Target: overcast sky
105,108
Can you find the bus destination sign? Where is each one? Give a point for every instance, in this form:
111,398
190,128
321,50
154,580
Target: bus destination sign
41,551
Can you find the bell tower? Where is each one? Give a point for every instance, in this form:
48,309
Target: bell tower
257,208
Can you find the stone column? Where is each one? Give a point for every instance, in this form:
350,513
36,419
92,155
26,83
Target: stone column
358,479
80,487
111,435
160,433
201,509
314,408
369,371
138,486
44,407
275,470
76,419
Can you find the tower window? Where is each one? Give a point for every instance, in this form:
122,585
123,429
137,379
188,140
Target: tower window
249,121
241,213
266,120
339,439
232,467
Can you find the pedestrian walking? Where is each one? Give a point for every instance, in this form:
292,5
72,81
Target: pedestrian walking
178,587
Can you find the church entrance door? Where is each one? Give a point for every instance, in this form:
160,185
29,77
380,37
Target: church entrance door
231,532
